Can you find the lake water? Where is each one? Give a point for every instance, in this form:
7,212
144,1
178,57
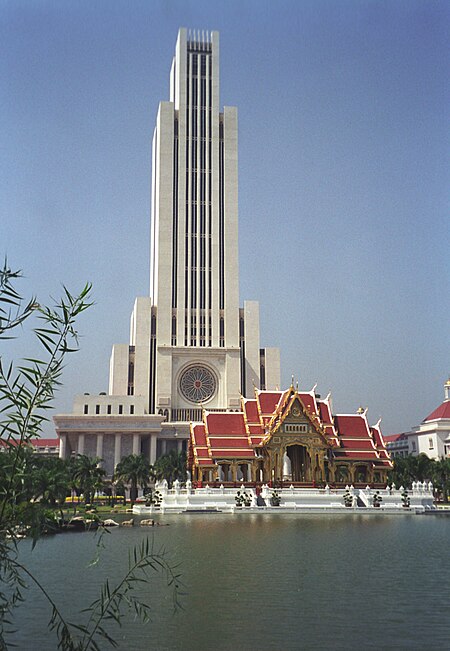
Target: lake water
261,582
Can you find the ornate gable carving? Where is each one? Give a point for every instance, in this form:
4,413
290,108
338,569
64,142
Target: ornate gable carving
293,424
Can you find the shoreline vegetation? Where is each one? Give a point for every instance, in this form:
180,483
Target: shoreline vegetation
33,490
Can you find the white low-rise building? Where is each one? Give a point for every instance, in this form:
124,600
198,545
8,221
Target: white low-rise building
431,437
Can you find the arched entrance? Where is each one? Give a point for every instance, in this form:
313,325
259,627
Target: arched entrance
300,463
361,475
342,474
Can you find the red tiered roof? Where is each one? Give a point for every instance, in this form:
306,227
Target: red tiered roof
251,411
352,426
228,422
268,401
380,444
326,419
234,435
200,446
309,401
252,421
355,438
227,436
324,411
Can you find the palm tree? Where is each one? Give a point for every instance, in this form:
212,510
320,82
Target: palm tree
50,481
88,475
441,476
171,466
136,470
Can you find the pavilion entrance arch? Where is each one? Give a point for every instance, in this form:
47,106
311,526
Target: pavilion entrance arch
301,464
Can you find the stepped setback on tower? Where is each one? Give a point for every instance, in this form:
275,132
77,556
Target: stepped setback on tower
191,344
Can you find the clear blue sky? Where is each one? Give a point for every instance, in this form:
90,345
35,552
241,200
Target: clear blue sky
344,178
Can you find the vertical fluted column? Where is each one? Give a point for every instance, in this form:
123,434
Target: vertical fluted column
117,449
153,441
62,446
99,450
136,444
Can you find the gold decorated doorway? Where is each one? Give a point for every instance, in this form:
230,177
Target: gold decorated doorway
300,463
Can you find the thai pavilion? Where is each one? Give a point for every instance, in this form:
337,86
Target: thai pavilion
287,436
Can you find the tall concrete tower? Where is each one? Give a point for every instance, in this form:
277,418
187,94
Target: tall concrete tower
191,344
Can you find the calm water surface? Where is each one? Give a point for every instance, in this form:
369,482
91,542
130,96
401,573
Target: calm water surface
265,583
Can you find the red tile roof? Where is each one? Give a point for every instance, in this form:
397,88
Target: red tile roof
379,442
227,436
200,446
309,401
234,435
44,443
268,401
362,455
352,425
443,411
251,411
225,423
357,444
324,411
229,453
394,437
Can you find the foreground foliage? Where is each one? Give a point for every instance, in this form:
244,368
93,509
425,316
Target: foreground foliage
31,488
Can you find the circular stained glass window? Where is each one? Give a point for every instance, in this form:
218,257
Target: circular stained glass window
197,384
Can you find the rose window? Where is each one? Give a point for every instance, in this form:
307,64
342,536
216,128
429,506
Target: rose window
197,384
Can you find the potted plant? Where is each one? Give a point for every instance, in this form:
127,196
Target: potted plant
156,499
242,499
348,499
376,500
406,501
275,499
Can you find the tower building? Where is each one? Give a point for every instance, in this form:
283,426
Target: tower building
191,343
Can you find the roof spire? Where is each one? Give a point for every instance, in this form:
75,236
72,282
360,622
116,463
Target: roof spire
447,390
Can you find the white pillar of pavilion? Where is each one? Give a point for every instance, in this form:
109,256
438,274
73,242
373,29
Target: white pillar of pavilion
80,446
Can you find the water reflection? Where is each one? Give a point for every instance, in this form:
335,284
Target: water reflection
268,583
